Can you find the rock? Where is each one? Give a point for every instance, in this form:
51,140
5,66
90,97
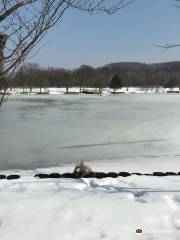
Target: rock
159,174
112,175
42,175
171,174
90,175
147,174
100,175
69,175
11,177
138,174
2,177
124,174
54,175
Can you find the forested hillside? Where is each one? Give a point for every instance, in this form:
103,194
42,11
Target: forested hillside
131,74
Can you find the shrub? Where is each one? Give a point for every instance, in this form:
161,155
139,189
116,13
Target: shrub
82,170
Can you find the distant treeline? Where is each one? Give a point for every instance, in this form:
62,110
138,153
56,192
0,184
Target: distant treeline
131,75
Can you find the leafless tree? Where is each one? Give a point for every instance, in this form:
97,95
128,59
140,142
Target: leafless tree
27,76
23,23
67,80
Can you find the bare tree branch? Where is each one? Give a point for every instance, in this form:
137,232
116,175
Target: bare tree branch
23,23
14,8
176,3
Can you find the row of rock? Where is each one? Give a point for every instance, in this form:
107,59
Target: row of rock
9,177
98,175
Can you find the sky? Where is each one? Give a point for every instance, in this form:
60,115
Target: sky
127,35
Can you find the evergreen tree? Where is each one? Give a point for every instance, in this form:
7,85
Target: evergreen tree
115,83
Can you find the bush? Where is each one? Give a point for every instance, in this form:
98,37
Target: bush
82,170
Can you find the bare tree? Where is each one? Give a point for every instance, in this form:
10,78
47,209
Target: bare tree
27,75
42,80
23,23
67,80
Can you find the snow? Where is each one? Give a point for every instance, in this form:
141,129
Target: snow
105,91
75,209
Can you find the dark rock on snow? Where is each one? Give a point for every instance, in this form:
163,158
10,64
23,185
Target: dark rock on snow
171,174
54,175
69,175
42,175
11,177
100,175
2,177
112,175
124,174
138,174
90,175
159,174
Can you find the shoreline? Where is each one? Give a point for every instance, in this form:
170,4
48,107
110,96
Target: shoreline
93,91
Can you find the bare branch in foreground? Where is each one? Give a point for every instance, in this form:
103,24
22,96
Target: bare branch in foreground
23,23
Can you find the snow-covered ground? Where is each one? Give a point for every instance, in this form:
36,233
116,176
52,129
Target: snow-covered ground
75,209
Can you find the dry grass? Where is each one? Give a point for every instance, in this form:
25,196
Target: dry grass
82,170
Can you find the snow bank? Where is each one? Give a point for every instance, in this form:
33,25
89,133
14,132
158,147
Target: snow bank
75,209
105,91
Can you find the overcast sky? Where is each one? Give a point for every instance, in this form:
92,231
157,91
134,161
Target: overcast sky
128,35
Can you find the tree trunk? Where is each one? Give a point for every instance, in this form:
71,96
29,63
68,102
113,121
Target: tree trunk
67,90
3,39
3,88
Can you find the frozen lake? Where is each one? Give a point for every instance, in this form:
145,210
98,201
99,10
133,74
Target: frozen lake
44,131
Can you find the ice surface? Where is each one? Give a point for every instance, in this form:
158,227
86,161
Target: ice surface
45,131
